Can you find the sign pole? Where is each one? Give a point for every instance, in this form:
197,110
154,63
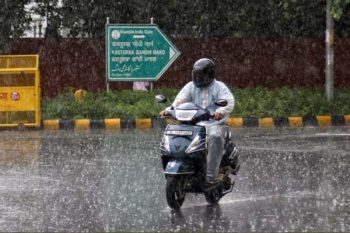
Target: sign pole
151,83
107,83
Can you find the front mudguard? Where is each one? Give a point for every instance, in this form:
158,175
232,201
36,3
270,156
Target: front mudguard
178,167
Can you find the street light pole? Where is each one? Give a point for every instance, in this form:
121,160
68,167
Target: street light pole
329,52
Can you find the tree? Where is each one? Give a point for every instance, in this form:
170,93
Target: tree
50,10
14,20
88,18
196,18
338,7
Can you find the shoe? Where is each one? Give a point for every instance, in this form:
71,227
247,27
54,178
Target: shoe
212,184
236,169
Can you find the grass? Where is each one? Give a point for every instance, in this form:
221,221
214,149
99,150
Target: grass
258,102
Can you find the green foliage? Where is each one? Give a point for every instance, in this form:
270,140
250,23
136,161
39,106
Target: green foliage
193,18
259,102
286,102
14,19
338,8
53,13
105,105
200,18
206,18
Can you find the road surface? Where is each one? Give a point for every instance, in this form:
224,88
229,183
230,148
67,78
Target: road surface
290,180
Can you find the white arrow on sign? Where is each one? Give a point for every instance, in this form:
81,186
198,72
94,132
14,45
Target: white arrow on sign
171,53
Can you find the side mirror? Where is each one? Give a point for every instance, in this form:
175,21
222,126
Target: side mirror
160,98
221,103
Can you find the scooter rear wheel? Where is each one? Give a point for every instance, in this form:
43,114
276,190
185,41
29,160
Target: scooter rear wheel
175,195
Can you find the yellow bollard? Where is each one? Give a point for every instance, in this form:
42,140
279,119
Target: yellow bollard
296,121
347,120
143,123
51,124
235,122
82,124
266,122
324,121
112,123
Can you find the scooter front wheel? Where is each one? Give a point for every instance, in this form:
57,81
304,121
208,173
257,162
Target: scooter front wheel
175,194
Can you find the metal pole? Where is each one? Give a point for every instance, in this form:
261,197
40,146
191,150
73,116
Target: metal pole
151,83
329,53
35,28
40,26
107,83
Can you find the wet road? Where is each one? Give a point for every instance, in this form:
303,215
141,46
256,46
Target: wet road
290,180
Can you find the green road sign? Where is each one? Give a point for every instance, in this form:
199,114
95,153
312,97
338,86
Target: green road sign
138,52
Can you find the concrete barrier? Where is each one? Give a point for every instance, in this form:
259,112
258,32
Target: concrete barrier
147,123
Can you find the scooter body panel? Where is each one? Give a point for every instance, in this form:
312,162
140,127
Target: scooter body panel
178,167
175,142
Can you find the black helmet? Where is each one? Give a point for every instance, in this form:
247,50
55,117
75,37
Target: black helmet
203,72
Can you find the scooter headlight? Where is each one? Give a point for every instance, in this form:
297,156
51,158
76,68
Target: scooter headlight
185,115
164,145
197,144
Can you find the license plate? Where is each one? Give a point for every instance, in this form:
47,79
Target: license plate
179,132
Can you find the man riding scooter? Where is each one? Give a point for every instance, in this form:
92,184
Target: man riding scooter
204,90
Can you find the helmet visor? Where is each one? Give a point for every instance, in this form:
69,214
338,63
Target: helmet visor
200,78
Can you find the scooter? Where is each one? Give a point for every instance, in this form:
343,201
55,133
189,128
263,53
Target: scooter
184,151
